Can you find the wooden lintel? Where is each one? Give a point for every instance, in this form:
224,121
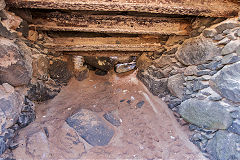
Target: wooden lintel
208,8
57,21
103,53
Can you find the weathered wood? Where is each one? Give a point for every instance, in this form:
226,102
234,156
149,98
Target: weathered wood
57,21
209,8
103,53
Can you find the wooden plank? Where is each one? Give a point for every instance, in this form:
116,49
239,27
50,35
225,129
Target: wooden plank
111,24
106,47
209,8
103,40
103,53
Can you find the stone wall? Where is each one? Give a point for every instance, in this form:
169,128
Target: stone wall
200,81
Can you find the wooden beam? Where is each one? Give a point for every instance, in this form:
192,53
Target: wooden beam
209,8
103,53
123,44
75,21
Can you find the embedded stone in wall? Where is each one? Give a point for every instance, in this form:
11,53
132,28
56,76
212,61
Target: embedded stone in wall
227,82
156,86
197,50
231,47
175,85
13,64
143,62
205,114
224,145
40,66
81,73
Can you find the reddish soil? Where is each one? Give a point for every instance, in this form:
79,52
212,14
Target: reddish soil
150,132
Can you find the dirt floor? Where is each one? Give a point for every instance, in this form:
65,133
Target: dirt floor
149,132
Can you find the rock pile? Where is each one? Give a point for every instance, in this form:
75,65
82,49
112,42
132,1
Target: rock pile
201,82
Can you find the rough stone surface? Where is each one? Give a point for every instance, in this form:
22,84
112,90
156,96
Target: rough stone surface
175,85
235,127
13,64
10,107
197,50
38,145
59,71
209,33
40,65
205,114
227,82
228,24
41,92
157,87
91,127
2,4
230,47
224,146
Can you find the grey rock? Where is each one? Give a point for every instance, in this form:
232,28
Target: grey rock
209,33
205,114
198,85
4,32
3,146
235,127
224,41
91,127
203,72
218,37
14,67
230,47
224,146
227,82
235,114
227,31
140,104
190,70
10,107
230,58
196,51
157,87
232,36
125,67
238,32
113,118
214,65
175,85
27,115
228,24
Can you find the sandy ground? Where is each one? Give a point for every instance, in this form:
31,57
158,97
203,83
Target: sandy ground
150,132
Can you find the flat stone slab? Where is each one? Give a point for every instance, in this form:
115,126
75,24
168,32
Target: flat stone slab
91,127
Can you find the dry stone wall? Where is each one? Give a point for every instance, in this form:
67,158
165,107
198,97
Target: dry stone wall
201,83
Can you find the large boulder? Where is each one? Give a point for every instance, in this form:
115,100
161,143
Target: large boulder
197,50
10,106
205,114
227,82
14,64
91,127
223,146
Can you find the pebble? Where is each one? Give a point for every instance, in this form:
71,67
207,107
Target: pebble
140,104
